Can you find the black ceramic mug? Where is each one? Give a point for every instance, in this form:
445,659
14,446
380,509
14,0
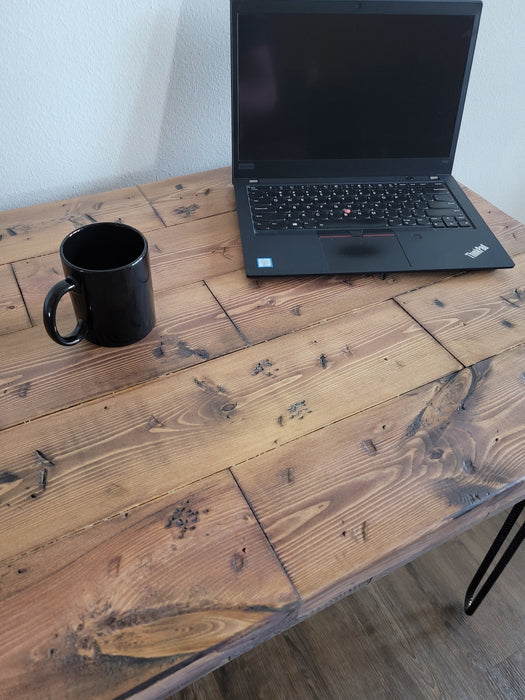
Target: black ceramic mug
108,275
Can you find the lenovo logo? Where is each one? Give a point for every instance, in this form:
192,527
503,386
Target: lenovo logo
475,252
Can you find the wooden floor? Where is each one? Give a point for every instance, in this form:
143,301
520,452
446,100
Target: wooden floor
405,636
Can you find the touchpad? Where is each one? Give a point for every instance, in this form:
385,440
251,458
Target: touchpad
364,251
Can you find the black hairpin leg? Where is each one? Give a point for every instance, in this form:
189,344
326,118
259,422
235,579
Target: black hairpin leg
473,599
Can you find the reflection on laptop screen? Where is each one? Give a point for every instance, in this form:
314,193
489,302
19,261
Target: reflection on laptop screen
332,86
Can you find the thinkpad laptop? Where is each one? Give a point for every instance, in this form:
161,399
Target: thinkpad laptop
345,121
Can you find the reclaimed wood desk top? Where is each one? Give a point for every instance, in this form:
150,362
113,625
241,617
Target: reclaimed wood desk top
270,447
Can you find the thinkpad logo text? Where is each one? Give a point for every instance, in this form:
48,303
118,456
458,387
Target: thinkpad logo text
478,250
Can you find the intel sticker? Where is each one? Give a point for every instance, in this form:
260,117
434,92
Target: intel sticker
264,262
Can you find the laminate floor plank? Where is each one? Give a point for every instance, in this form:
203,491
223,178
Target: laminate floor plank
510,675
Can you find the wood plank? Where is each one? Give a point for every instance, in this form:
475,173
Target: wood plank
195,196
436,453
101,612
197,250
476,315
179,256
38,230
509,231
35,277
404,636
268,307
119,451
13,314
509,676
37,376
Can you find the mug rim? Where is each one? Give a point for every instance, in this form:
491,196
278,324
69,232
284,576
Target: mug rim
100,224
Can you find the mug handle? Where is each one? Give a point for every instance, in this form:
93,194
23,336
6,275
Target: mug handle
54,295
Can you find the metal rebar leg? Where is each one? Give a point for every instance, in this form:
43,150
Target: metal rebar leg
473,599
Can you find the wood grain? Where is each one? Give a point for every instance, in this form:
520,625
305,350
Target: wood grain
140,596
179,256
35,277
435,453
13,314
124,449
197,250
404,636
195,196
474,316
130,559
268,307
37,376
40,229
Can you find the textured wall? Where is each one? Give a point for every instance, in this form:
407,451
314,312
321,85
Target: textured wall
104,93
491,151
100,94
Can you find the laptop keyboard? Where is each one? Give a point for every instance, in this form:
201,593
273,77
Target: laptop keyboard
333,206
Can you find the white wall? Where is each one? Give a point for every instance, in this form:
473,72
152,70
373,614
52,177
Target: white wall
100,94
490,157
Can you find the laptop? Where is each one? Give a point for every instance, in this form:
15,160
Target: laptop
345,119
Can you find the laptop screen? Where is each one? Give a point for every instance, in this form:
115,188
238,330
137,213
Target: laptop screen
349,86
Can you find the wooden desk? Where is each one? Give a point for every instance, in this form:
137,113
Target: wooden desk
270,447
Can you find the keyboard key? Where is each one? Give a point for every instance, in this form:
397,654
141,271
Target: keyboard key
365,221
268,216
444,198
442,205
443,212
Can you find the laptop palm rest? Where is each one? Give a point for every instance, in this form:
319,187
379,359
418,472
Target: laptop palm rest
363,251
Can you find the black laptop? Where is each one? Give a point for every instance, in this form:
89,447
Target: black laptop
345,122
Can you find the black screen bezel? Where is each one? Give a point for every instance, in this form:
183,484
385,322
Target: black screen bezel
348,167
